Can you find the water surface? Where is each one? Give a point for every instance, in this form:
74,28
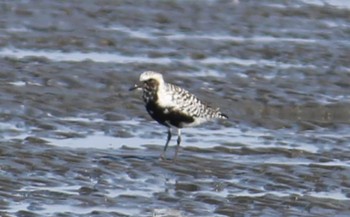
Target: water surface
75,142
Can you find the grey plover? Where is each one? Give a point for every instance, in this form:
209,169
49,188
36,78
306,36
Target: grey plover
173,106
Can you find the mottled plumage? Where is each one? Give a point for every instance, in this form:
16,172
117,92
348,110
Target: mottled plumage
173,106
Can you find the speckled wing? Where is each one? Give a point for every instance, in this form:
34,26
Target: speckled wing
190,105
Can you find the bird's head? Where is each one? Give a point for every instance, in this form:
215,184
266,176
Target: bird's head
149,80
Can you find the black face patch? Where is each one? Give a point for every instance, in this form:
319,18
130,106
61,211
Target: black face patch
150,88
151,84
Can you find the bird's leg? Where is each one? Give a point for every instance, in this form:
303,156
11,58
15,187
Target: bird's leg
178,143
162,156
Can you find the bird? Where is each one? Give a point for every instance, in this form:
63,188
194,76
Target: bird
173,106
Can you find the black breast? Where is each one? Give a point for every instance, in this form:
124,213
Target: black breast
168,116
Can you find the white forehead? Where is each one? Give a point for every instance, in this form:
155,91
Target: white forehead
151,75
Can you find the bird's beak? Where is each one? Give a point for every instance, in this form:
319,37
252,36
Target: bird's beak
135,87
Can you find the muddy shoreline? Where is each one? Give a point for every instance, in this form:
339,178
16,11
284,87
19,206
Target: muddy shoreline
75,142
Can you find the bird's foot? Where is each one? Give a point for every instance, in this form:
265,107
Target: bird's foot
162,157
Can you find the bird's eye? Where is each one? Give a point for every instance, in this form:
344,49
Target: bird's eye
151,81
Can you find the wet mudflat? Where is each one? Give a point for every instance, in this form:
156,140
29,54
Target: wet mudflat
75,142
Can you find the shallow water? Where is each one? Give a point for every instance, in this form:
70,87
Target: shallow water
75,142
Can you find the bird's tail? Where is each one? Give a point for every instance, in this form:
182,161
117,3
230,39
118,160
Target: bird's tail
219,114
222,116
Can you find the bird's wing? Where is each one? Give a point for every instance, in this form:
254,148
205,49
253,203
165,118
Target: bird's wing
186,102
190,105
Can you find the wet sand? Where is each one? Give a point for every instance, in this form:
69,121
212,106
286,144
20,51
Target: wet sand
76,142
